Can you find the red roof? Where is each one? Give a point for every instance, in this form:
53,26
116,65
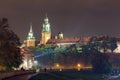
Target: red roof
65,40
118,39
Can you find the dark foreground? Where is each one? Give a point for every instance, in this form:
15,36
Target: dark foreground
68,75
64,75
20,77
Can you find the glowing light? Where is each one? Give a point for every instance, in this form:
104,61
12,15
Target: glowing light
60,69
78,65
57,65
35,63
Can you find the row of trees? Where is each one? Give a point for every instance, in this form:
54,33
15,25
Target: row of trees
88,54
105,43
99,61
10,56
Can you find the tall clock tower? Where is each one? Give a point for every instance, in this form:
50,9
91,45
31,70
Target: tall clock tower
46,31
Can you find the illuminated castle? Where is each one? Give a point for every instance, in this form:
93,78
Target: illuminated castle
58,40
46,37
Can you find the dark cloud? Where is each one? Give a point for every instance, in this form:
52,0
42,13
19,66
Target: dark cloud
72,17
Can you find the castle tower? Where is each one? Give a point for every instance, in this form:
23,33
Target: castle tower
30,38
60,35
46,31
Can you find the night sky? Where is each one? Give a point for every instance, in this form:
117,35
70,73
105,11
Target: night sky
75,18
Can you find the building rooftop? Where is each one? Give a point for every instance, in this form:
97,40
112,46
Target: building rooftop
64,40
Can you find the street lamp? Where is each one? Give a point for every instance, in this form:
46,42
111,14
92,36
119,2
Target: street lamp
78,66
36,65
35,62
58,67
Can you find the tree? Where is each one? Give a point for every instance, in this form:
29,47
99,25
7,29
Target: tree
104,43
9,47
112,44
101,64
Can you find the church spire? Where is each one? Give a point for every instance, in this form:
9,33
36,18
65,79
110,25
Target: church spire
30,34
46,20
31,28
46,16
46,25
30,38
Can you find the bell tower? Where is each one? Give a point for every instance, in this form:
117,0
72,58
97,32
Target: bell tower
46,31
30,38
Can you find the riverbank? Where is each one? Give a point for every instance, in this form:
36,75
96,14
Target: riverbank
7,74
67,75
